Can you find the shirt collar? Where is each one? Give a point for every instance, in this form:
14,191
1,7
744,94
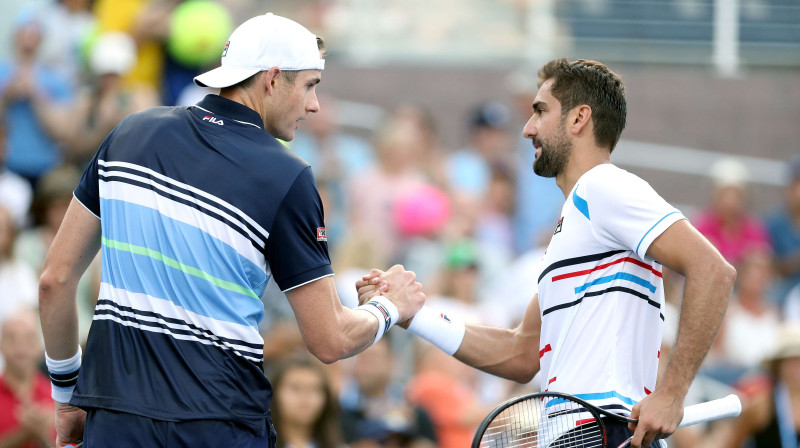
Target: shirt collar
231,109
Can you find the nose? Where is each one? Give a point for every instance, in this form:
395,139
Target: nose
529,131
313,103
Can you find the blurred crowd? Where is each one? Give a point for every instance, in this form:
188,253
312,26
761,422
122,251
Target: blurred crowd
472,221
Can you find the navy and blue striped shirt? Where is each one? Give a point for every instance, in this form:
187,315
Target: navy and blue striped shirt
199,206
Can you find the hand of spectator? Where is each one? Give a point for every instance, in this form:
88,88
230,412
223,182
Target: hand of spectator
36,420
659,415
69,424
402,289
21,85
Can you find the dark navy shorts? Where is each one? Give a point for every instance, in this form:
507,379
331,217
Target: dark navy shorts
105,428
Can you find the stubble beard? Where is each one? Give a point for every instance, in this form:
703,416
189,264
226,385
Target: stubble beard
554,156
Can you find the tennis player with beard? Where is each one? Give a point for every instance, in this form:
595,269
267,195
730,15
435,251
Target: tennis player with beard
594,328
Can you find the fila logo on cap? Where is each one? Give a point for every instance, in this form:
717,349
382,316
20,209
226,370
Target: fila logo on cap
225,50
211,119
321,234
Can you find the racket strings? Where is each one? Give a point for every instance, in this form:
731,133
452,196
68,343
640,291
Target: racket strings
533,424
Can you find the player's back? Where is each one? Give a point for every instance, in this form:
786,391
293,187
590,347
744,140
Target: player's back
186,198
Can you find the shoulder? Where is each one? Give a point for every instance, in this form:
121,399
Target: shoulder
608,177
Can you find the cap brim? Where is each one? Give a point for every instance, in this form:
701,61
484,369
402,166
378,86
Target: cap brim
224,76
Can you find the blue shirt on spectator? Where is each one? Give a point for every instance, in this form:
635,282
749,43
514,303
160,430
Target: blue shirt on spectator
785,237
31,151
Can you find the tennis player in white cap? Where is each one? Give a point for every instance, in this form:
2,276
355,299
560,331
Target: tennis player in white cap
194,209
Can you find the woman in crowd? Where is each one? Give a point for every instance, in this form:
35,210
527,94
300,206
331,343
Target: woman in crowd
305,412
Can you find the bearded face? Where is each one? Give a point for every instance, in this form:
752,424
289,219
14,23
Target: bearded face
554,152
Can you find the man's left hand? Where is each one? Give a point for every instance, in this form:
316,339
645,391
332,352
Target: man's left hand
659,415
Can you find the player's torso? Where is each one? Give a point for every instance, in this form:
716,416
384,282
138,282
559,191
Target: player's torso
601,318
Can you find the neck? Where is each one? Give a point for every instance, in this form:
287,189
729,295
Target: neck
244,97
581,160
296,435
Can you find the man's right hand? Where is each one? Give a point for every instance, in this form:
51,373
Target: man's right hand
399,286
69,424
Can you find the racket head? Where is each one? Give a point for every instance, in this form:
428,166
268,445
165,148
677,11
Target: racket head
542,420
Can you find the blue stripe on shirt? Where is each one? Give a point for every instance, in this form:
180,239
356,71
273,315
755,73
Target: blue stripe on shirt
187,244
618,276
595,396
146,275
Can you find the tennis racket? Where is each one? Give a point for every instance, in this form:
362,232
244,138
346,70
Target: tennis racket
555,420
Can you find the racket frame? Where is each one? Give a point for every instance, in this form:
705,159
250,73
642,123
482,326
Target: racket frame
595,411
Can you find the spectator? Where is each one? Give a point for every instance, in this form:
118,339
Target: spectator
373,194
67,25
469,170
784,230
726,222
15,192
104,102
374,409
441,387
18,282
767,419
26,409
304,407
33,97
494,232
752,320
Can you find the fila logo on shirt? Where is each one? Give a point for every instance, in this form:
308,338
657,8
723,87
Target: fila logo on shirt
558,226
211,119
321,234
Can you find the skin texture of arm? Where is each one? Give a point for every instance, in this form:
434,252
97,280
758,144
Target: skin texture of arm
709,283
511,354
331,331
74,247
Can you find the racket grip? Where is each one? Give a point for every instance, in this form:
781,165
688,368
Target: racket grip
729,406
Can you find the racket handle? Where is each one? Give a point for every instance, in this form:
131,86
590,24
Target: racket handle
729,406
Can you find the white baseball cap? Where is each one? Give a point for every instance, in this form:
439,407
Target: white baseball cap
261,43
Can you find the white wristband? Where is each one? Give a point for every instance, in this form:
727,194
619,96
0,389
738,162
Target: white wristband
385,311
63,376
438,329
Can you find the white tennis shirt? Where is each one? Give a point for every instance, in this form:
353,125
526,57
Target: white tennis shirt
601,296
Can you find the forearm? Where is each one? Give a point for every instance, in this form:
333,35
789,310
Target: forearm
509,354
706,297
58,312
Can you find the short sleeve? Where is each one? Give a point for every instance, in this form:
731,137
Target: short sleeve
88,190
297,247
625,211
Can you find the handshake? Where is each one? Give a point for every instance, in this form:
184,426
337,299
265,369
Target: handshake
397,285
400,287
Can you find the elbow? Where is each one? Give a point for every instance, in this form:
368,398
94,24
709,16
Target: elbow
49,285
725,276
525,370
327,351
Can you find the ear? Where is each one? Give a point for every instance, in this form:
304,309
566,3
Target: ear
579,119
271,80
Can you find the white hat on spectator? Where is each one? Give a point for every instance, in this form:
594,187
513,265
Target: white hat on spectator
729,172
787,345
114,53
261,43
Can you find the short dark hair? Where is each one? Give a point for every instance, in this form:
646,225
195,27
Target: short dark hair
592,83
288,75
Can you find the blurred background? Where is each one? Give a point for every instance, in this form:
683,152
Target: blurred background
419,159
